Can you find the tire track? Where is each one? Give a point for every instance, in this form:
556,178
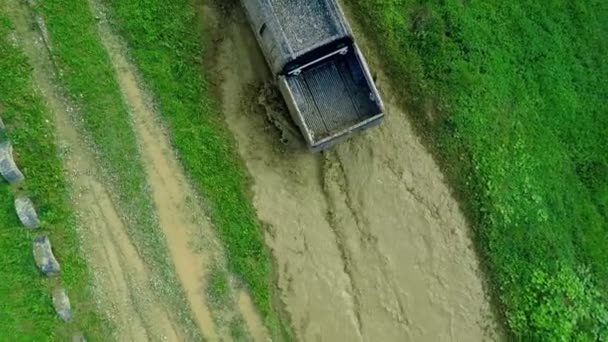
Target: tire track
332,167
182,219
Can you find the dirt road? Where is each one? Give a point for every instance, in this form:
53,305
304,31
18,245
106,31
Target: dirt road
122,281
183,220
369,243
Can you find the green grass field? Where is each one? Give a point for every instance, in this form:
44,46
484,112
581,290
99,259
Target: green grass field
520,91
26,307
168,51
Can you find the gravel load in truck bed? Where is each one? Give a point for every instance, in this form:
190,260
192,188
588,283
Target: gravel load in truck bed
306,23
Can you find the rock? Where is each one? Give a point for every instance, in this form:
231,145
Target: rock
78,337
43,254
43,31
61,303
26,212
8,168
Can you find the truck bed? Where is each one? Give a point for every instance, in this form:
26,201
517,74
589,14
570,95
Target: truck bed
306,23
333,96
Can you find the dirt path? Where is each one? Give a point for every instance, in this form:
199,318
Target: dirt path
369,243
122,282
181,217
171,193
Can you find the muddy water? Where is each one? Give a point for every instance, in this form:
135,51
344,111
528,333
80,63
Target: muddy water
369,243
122,282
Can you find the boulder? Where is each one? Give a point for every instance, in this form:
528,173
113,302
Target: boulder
43,254
61,303
26,212
8,168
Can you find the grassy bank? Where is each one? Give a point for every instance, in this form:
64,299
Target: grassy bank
27,311
87,75
168,51
519,94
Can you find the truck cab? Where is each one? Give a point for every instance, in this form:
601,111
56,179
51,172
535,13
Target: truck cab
318,67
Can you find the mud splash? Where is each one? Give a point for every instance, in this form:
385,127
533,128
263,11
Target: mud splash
122,282
369,243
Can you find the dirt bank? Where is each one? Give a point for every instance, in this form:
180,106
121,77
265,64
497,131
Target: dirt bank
122,282
369,243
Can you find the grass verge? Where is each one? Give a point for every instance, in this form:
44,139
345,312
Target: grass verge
168,51
86,74
520,90
222,301
26,306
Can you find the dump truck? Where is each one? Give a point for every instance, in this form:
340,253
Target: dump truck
320,71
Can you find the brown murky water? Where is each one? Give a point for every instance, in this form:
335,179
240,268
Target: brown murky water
170,190
123,282
370,244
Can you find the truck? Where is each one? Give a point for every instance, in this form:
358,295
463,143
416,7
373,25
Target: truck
318,67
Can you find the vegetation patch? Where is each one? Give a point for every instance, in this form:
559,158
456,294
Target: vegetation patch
26,305
222,301
168,51
518,91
